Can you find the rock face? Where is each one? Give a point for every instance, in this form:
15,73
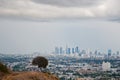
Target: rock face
30,76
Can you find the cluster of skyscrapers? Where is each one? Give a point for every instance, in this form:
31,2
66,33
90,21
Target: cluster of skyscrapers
60,50
86,54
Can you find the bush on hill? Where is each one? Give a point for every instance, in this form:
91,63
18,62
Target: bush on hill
3,68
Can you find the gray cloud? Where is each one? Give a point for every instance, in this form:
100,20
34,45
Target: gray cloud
70,3
49,9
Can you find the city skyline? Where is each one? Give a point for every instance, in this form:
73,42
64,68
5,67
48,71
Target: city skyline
77,50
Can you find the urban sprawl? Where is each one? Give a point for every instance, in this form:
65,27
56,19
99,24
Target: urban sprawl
70,64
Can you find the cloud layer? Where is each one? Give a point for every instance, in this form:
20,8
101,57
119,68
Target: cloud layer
45,9
70,3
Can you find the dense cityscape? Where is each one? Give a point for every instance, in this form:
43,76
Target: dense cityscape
77,52
70,64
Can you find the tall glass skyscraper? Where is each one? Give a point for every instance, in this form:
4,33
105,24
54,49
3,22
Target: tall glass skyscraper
109,52
77,49
57,50
73,50
61,50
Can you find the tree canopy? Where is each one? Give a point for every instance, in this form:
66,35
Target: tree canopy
42,62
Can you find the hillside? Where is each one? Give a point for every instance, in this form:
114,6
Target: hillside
6,74
30,76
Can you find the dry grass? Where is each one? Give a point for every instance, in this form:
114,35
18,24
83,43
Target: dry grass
30,76
7,74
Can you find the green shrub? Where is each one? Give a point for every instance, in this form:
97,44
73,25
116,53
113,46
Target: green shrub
3,68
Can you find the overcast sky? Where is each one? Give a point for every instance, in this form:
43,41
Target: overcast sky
28,26
60,8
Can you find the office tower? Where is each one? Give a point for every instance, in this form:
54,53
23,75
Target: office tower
69,51
57,50
95,53
77,49
61,50
73,50
118,54
109,52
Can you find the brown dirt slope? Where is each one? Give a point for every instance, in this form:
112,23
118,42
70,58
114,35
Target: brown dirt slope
30,76
7,74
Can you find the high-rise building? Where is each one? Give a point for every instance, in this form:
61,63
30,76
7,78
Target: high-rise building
57,50
61,50
95,53
69,51
77,49
73,50
109,52
118,54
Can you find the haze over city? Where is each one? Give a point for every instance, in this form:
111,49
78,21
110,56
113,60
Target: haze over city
28,26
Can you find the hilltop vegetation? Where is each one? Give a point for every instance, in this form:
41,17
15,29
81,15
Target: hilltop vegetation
3,68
